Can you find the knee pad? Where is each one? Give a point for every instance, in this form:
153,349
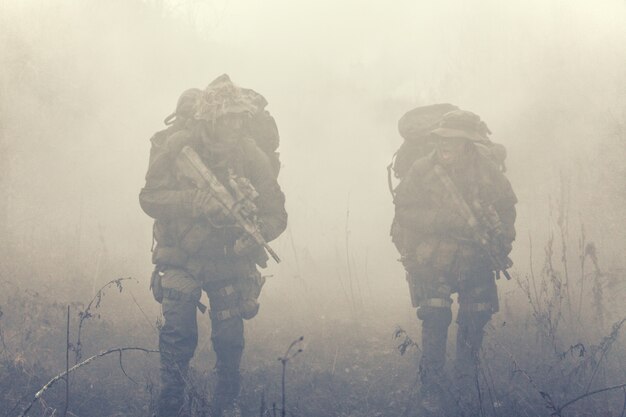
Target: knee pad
474,319
435,315
250,290
178,285
227,334
236,299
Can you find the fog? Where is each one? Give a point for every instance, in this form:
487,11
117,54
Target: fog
85,84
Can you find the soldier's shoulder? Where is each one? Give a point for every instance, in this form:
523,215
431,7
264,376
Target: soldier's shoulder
252,151
249,145
159,138
493,177
422,166
488,167
172,140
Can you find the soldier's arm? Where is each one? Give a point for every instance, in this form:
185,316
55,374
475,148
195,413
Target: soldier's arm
507,212
504,203
161,197
416,210
430,220
271,201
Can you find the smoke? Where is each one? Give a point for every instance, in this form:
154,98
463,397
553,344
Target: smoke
85,84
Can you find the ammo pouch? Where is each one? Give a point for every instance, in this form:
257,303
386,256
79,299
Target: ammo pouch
169,256
240,295
193,238
250,290
445,255
178,254
155,284
415,289
440,254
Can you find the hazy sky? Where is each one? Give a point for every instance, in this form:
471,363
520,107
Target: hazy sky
88,82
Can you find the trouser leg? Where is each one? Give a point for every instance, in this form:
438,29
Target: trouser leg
478,301
469,341
228,344
178,339
431,292
435,312
435,323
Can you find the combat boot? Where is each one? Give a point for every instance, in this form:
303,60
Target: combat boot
467,363
432,403
171,399
230,410
227,389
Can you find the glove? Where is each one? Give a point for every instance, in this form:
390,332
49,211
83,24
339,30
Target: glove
501,246
506,248
453,224
245,245
204,204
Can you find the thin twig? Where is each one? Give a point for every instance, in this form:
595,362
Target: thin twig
124,371
84,315
141,309
490,387
283,360
563,224
478,390
532,269
67,364
54,380
605,346
583,258
332,371
559,410
347,238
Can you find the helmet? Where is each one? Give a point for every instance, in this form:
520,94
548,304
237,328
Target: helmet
185,105
417,123
462,124
223,97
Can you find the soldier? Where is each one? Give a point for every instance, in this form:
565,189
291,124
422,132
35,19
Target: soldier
444,251
198,247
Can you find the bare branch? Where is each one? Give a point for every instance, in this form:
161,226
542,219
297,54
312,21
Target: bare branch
80,365
559,410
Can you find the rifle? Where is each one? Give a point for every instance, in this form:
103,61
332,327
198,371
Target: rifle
486,228
238,204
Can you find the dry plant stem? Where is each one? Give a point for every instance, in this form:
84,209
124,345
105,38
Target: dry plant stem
590,250
606,346
478,390
283,360
282,411
67,364
559,410
124,371
490,385
87,312
343,287
75,367
583,257
532,270
142,312
347,232
563,224
295,252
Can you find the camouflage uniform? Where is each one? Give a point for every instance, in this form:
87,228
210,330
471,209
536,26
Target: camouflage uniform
439,255
194,250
